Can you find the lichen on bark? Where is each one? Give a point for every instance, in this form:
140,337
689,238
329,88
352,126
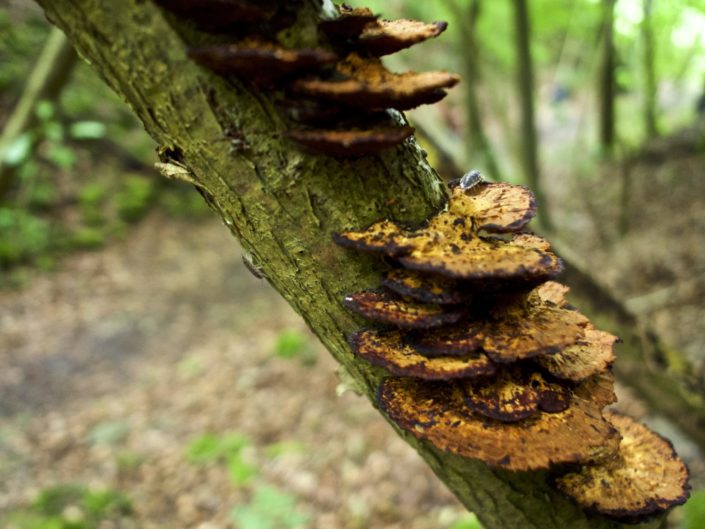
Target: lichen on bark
283,205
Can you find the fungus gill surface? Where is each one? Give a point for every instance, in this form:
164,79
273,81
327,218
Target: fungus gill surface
644,479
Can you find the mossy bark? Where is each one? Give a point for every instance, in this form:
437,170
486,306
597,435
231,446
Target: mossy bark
284,205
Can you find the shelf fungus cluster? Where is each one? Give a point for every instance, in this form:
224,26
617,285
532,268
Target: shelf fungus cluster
337,96
490,362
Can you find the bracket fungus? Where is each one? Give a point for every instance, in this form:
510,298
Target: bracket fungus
494,207
436,412
591,354
387,349
259,61
386,307
645,478
383,37
366,83
350,143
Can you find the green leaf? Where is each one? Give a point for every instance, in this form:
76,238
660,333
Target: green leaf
239,471
62,156
269,509
44,110
54,131
210,447
18,151
87,130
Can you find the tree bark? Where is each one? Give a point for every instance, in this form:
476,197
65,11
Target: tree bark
525,88
606,82
283,205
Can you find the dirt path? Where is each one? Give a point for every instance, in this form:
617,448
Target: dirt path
115,363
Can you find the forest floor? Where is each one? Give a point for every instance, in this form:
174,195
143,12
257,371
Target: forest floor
114,365
125,362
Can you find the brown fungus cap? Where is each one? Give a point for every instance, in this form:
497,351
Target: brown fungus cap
645,479
448,246
389,36
436,413
428,288
592,354
350,143
260,61
494,207
508,333
349,24
367,84
388,350
386,307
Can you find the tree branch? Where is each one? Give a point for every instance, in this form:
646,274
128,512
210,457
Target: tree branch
283,205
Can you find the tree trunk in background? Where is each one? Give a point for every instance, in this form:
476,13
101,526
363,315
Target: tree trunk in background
606,84
49,76
477,142
649,68
525,87
283,205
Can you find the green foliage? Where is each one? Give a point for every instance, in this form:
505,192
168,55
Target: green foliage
91,202
134,198
291,343
22,236
72,507
269,509
209,447
228,449
694,511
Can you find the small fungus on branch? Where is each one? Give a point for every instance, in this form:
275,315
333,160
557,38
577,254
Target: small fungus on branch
436,412
387,349
591,354
367,84
350,143
645,478
384,37
494,207
386,307
448,246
